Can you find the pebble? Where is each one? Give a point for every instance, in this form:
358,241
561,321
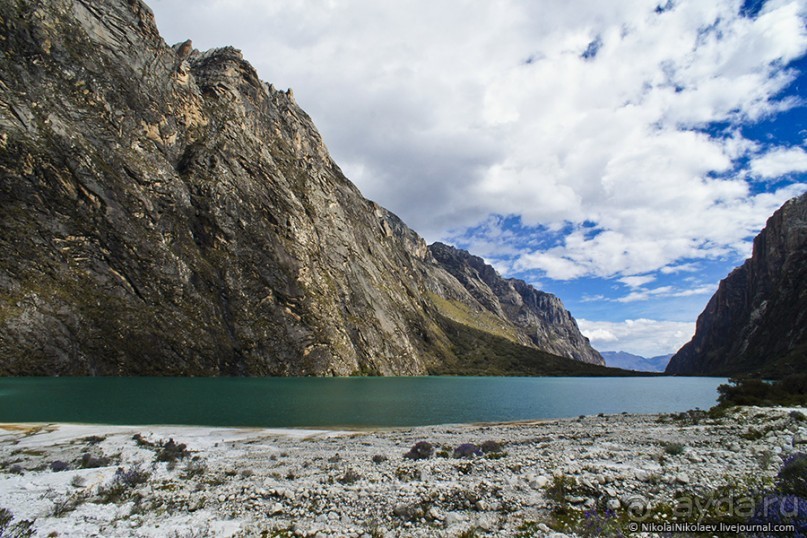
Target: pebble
436,514
641,475
481,506
454,518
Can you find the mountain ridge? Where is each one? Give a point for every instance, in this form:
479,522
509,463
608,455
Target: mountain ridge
630,361
756,322
168,213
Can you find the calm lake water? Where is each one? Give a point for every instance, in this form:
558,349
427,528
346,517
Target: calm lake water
333,402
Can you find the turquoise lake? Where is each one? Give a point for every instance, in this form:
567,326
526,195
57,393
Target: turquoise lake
342,402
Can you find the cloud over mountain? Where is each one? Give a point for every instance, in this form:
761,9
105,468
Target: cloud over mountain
615,134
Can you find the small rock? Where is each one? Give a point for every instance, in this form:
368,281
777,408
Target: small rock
682,478
641,475
275,509
486,524
436,514
453,518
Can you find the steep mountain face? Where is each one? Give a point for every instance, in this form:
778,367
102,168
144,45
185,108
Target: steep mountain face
629,361
166,212
539,318
757,320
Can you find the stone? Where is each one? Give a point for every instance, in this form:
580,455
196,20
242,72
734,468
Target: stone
454,518
435,514
641,475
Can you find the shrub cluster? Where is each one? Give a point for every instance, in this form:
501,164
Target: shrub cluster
171,451
467,451
20,529
122,483
423,450
420,451
790,390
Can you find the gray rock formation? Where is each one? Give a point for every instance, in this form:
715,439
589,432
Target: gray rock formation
757,320
165,212
539,319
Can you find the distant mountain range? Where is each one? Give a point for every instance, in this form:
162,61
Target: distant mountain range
629,361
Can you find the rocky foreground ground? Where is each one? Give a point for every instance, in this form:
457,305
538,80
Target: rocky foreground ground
592,475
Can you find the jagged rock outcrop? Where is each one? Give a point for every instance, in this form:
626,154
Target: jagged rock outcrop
166,212
757,320
539,318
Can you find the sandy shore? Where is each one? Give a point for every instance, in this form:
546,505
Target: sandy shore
87,480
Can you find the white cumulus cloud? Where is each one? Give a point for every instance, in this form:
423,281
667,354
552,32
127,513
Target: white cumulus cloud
645,337
779,162
448,112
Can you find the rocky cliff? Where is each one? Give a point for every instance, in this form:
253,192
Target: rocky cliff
539,319
757,320
166,212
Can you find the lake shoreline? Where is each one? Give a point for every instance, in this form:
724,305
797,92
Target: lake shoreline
340,402
536,477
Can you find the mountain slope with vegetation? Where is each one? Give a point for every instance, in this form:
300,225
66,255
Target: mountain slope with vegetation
165,212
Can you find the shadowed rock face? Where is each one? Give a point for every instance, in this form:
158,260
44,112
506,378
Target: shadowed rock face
165,212
757,320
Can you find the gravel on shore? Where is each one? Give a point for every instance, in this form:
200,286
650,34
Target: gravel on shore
543,478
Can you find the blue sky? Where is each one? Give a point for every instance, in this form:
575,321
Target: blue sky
619,154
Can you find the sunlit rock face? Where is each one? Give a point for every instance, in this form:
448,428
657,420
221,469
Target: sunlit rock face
165,212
